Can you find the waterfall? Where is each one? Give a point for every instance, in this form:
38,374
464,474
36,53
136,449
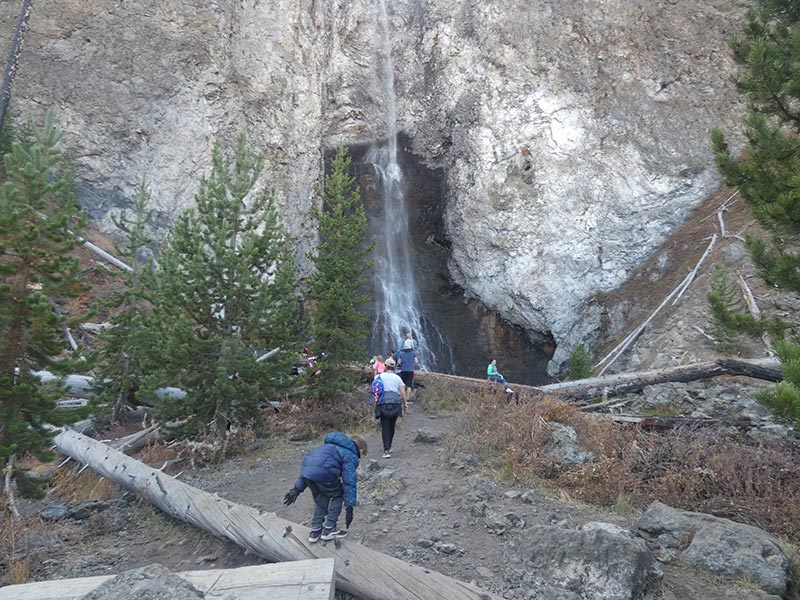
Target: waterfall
398,306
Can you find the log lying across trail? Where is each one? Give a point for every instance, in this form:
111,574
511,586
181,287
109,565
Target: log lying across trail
360,571
585,390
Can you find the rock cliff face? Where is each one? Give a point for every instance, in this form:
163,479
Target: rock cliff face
573,135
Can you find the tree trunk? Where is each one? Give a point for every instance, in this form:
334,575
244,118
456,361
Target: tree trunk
627,383
360,571
13,57
623,383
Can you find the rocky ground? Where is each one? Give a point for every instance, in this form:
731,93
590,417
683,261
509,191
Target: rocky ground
430,504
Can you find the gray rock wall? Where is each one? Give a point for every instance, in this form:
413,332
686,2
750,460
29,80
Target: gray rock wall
574,135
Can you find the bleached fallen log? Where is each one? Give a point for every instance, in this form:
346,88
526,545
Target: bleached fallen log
693,273
77,385
105,255
136,441
306,579
612,356
8,486
752,306
95,327
72,403
582,390
625,383
360,571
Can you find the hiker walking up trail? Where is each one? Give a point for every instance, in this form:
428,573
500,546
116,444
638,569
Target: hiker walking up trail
494,375
408,360
391,405
330,471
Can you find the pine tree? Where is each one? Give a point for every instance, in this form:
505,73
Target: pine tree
580,364
725,305
224,292
39,221
767,51
127,344
337,287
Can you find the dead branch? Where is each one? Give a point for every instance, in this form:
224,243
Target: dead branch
612,356
9,472
752,306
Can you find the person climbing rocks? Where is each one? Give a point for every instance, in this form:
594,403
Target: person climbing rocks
391,406
330,471
497,377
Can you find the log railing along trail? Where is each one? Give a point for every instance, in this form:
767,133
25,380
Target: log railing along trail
360,571
585,390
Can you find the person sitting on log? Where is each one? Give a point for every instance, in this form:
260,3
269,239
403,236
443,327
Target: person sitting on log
330,471
491,371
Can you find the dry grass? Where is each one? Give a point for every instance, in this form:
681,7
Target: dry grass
68,484
440,396
702,470
14,553
344,412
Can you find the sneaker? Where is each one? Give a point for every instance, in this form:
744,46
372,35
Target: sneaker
314,536
509,390
332,534
387,454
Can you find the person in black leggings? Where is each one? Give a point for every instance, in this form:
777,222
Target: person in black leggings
391,406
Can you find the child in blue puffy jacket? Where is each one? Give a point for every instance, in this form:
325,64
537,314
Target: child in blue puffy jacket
330,471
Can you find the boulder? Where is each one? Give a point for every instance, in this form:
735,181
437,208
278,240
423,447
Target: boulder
718,545
564,448
594,563
428,436
153,582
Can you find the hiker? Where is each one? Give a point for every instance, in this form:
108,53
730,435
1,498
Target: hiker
407,360
378,366
390,406
493,374
330,471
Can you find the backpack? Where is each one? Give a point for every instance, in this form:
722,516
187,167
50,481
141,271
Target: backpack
376,390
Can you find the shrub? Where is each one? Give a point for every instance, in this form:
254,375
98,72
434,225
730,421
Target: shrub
703,470
580,364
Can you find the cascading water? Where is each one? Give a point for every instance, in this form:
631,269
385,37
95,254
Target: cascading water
397,300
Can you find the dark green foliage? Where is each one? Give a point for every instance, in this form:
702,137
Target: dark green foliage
784,398
767,51
127,343
337,287
580,364
224,291
725,303
39,221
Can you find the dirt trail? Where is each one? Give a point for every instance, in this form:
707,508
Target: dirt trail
421,505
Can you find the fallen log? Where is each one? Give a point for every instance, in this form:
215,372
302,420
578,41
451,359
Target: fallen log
360,571
626,383
585,390
306,579
666,423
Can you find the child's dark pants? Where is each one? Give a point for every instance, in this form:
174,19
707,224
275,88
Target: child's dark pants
328,501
